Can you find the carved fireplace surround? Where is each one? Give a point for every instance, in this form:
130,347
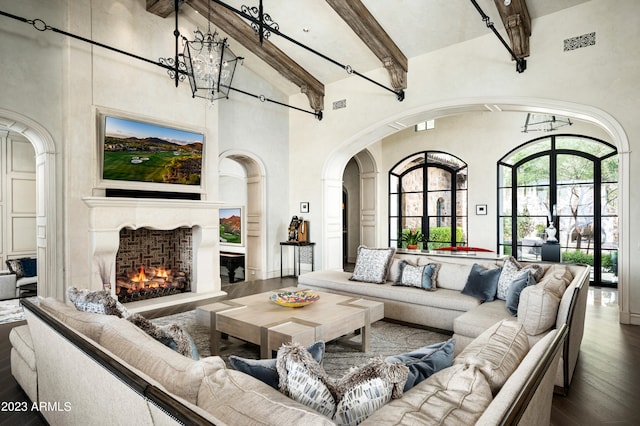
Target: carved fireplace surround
108,215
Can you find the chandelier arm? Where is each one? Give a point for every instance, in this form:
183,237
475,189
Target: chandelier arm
399,93
176,34
521,63
262,98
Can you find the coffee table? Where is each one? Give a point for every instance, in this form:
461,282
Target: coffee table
258,320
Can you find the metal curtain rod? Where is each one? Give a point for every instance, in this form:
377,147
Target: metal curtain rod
173,69
260,23
521,63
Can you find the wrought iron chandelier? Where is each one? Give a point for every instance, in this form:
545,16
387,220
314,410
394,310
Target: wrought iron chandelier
210,64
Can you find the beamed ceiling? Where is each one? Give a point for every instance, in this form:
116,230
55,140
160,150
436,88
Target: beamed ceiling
363,34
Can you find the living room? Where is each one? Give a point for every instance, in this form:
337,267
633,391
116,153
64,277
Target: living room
471,89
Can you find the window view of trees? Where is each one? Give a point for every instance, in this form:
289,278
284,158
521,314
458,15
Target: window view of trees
428,201
570,182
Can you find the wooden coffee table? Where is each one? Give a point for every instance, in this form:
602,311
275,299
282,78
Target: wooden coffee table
258,320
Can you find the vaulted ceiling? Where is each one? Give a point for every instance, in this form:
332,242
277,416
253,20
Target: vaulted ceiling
362,35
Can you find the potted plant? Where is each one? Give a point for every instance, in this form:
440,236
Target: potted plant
412,237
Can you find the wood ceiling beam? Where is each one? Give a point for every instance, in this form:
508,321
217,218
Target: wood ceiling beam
240,31
362,22
517,22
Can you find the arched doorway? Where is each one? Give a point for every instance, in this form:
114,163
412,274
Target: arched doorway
255,209
334,166
49,245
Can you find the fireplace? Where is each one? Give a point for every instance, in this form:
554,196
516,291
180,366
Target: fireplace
115,222
153,263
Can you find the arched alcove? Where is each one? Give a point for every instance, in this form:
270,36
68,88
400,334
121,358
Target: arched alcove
255,210
48,227
334,166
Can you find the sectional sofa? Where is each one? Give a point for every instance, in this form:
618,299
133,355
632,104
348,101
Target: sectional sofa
466,317
86,368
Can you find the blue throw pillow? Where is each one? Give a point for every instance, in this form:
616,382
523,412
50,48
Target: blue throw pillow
265,369
522,280
425,361
29,267
482,283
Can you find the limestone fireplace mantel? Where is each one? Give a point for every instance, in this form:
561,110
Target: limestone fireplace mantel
108,215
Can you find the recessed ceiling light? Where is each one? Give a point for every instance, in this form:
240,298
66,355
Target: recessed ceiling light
507,2
305,30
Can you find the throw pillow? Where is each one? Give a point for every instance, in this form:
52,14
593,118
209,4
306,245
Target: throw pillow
423,277
497,352
522,280
265,369
425,361
97,302
172,335
510,270
538,309
482,283
372,264
347,401
15,266
29,266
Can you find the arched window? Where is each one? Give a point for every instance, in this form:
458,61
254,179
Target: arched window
428,194
572,182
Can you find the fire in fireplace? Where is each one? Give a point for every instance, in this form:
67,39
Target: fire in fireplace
147,283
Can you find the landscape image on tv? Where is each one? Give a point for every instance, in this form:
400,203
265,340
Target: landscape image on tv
144,152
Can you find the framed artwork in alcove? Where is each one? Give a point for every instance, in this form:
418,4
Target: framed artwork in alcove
231,228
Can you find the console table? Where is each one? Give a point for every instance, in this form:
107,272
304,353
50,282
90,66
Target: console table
297,245
232,261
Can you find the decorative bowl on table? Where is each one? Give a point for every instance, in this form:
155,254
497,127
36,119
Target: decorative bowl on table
294,299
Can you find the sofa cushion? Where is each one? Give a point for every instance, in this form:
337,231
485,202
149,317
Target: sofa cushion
454,396
538,308
349,400
497,352
178,374
482,283
265,369
522,279
510,269
372,264
423,277
425,361
88,324
20,339
476,321
238,399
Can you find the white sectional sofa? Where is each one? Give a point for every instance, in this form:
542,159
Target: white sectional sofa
103,369
448,309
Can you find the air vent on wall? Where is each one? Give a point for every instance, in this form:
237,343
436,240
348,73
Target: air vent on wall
340,104
584,40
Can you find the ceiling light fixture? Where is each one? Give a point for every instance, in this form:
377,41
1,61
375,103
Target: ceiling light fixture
210,63
507,2
544,123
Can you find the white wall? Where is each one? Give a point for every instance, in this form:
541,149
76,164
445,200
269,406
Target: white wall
597,83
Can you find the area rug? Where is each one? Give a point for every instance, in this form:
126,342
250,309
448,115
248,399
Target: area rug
387,338
11,311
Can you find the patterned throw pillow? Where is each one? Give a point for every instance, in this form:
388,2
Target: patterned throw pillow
423,277
97,302
265,369
347,401
372,264
510,270
15,266
171,335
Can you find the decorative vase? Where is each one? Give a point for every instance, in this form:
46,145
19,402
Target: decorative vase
412,246
551,234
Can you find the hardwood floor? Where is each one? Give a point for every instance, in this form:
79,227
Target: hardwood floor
604,389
